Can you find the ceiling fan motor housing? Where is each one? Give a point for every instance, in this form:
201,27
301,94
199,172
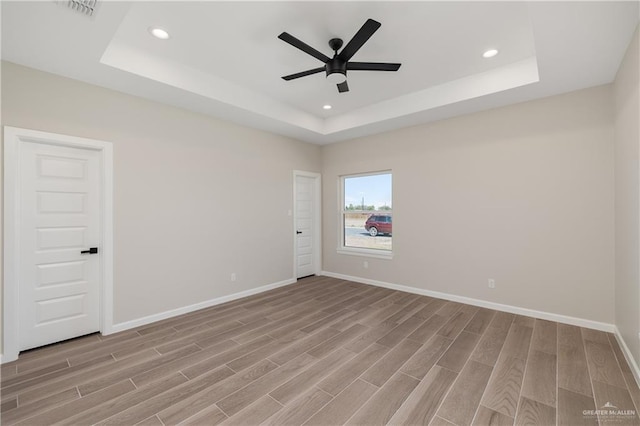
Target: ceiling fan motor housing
336,70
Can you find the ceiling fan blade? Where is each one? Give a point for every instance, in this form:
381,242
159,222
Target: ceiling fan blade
361,37
343,87
372,66
303,73
288,38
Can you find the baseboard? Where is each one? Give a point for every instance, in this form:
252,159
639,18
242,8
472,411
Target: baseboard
628,356
191,308
580,322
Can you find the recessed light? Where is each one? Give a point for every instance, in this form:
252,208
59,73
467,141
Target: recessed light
159,33
490,53
326,106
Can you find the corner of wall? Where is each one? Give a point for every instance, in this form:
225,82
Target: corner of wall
626,97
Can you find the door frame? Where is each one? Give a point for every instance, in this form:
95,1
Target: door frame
13,139
317,222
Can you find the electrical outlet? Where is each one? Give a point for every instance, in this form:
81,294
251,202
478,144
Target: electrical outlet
365,264
492,283
233,276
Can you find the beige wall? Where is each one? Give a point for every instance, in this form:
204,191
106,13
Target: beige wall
195,198
521,194
626,91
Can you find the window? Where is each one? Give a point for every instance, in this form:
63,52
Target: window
366,214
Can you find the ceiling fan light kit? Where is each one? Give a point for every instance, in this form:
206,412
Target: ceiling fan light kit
337,77
336,68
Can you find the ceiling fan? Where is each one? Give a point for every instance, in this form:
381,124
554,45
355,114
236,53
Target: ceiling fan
337,67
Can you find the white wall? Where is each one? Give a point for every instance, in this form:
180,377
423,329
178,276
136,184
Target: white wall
195,198
626,91
522,194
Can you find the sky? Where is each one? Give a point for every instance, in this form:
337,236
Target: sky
376,190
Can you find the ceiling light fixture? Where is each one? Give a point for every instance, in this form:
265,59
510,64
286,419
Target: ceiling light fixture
336,77
159,33
326,106
490,53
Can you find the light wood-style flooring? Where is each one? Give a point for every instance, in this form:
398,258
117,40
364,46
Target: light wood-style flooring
328,352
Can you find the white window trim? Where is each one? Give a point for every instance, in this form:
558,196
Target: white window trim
364,252
359,251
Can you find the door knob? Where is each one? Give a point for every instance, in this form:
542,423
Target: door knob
92,250
298,232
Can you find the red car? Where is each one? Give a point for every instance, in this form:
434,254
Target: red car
378,224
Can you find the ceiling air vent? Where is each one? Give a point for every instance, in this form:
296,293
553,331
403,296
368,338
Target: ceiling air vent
86,7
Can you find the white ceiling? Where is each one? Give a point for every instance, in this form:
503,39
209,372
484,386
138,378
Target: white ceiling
224,58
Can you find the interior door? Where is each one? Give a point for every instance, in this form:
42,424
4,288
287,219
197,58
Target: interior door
59,286
304,220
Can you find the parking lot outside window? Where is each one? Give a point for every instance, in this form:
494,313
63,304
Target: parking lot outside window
366,214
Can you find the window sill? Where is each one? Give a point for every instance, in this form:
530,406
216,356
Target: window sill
378,254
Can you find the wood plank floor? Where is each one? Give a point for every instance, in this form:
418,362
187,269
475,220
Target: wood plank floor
327,352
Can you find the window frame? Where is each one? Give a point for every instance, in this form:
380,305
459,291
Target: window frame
360,251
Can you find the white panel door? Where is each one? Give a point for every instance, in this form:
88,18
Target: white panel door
305,232
59,292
